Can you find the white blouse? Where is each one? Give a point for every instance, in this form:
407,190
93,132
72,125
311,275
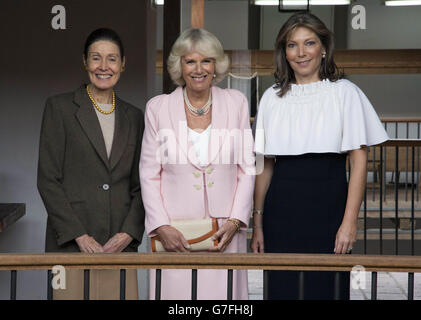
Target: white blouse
200,143
318,117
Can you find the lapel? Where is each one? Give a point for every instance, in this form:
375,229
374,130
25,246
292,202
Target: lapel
179,124
121,133
219,123
89,122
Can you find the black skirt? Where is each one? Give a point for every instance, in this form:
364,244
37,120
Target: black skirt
303,211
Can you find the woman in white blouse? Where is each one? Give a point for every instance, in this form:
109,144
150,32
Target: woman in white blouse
307,124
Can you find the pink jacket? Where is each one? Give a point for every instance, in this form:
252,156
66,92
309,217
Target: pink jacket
173,184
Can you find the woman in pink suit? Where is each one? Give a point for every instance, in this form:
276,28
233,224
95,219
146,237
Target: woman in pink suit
197,162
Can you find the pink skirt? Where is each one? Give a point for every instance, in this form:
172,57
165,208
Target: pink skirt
211,283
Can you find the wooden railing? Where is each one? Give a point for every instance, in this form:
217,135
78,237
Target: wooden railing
249,261
194,261
351,61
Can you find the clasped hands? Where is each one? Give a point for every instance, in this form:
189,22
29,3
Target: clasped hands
174,241
115,244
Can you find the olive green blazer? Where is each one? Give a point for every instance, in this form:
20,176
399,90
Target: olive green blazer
83,191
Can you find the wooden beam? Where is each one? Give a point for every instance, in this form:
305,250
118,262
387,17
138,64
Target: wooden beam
172,11
406,61
340,28
253,26
192,260
197,17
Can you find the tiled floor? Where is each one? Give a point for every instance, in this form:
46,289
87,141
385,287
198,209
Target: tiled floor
390,286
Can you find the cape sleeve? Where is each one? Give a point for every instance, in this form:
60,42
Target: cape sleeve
361,125
259,126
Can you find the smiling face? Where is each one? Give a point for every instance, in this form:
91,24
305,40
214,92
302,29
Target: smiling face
103,64
197,71
304,52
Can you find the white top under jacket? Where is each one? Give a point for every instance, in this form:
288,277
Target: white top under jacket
201,144
107,123
318,117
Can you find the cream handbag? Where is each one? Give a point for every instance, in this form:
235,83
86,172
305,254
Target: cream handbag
197,232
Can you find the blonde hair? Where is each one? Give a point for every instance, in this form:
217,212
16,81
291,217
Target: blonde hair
203,42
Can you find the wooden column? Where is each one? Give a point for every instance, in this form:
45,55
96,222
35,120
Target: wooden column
197,17
340,28
253,44
172,10
253,27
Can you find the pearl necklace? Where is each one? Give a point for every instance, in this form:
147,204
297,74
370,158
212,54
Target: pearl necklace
97,106
197,111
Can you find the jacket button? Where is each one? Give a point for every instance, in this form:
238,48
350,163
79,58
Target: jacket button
209,170
210,184
198,186
105,187
196,174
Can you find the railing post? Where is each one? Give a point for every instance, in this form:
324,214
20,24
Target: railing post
13,279
158,284
381,199
337,284
301,285
365,218
229,284
374,285
413,203
123,284
410,286
49,285
396,200
265,284
194,284
86,283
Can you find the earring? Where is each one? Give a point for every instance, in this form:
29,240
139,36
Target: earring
122,69
214,75
324,55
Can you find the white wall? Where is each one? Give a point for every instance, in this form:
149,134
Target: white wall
389,28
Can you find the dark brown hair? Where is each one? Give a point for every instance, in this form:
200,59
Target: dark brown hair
284,74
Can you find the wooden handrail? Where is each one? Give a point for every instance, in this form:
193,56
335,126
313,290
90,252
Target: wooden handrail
394,61
267,261
392,119
385,120
401,143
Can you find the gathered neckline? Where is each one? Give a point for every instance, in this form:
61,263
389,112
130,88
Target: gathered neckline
308,88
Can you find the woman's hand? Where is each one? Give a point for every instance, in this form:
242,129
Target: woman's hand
345,237
224,235
172,240
88,244
257,243
117,243
347,233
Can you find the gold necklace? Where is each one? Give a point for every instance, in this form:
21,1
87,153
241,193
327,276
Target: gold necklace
97,106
